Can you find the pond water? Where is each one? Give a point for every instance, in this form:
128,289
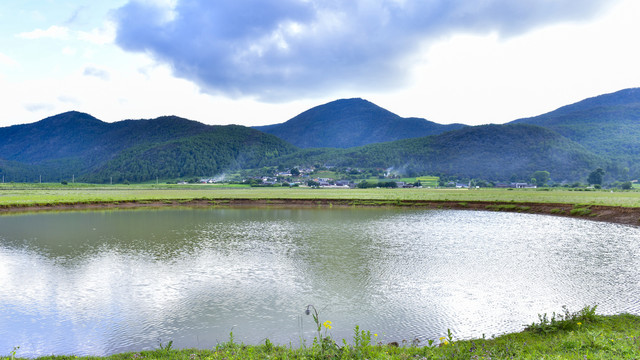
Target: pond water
96,283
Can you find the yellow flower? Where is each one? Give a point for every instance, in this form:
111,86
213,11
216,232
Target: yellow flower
375,334
327,324
579,324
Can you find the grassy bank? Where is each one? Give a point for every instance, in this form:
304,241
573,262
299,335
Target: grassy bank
16,195
581,335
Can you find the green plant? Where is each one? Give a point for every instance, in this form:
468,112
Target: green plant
565,320
13,352
580,211
324,343
165,347
268,345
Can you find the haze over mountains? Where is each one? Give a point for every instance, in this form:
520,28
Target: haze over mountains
569,142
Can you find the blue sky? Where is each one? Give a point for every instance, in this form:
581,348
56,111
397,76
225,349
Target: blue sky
256,62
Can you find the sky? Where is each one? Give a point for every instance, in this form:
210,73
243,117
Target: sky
259,62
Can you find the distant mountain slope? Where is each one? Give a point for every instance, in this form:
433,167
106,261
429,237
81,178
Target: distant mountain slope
75,143
569,142
608,125
351,122
78,135
56,137
490,151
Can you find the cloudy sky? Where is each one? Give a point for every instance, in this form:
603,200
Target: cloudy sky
256,62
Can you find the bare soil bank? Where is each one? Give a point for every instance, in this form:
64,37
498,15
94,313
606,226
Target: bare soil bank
613,214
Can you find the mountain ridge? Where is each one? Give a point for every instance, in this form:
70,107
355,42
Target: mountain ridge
607,124
346,123
602,131
75,143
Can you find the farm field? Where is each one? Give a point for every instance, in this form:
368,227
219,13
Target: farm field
21,195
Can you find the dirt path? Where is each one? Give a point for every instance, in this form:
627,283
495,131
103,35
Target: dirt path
613,214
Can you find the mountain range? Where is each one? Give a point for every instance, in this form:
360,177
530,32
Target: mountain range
75,143
600,132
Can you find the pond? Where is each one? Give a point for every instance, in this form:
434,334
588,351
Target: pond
103,282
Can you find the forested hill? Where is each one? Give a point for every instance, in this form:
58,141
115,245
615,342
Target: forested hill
601,132
608,125
75,143
497,152
221,149
351,122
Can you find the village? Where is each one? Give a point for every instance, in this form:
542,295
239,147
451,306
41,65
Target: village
349,178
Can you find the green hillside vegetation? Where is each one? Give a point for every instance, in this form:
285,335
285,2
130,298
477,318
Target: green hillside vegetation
349,123
222,148
608,125
491,151
569,143
75,143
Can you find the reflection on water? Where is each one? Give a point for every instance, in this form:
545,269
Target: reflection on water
105,282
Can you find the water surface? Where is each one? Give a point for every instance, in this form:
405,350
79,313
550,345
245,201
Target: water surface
112,281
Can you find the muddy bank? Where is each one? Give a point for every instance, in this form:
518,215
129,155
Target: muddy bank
613,214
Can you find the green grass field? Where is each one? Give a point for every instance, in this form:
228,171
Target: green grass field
51,194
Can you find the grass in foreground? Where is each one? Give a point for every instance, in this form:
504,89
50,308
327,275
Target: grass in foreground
581,335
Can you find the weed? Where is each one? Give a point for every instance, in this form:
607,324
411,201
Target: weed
508,207
322,342
13,352
580,211
564,320
165,347
579,335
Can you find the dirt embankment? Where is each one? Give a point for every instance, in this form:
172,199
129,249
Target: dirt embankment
613,214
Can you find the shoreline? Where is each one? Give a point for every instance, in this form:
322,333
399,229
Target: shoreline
612,214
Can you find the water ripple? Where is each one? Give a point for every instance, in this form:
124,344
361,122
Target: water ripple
127,281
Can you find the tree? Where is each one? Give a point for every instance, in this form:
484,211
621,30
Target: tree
542,177
627,185
595,177
295,172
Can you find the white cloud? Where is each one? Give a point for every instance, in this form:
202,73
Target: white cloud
278,50
53,32
99,36
96,72
488,75
7,61
69,51
39,107
68,100
478,79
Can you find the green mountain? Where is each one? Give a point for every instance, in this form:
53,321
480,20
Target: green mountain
75,143
497,152
351,122
601,132
220,149
608,125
